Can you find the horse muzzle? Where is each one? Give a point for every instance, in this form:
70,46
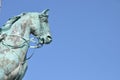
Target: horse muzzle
45,40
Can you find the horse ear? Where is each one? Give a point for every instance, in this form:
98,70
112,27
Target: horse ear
45,11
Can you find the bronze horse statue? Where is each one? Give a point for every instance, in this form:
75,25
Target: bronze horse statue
14,42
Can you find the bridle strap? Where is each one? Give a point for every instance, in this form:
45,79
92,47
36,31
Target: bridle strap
14,47
38,45
24,44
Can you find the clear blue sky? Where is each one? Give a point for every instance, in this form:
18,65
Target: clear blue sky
86,39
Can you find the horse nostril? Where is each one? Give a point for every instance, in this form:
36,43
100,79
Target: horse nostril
49,38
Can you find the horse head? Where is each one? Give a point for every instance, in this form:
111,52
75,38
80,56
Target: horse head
40,27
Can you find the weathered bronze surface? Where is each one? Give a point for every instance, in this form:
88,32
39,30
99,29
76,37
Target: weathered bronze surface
14,42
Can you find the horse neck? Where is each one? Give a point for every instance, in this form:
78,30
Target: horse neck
20,28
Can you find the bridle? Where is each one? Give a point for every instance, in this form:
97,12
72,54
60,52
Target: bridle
25,43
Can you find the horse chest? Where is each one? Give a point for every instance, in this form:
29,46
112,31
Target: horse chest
8,55
10,58
8,63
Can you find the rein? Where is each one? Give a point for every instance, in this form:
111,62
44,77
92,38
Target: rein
14,47
38,45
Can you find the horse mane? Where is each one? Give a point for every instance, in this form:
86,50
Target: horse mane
10,22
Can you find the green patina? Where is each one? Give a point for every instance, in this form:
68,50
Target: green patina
14,42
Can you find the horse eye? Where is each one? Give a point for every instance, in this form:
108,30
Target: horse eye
44,19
